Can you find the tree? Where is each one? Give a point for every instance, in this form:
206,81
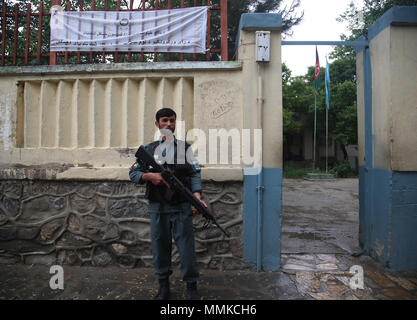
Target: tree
290,15
298,104
45,38
21,38
297,96
342,114
343,69
359,20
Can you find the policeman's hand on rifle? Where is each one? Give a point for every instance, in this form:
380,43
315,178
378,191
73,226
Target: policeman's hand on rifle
198,196
155,178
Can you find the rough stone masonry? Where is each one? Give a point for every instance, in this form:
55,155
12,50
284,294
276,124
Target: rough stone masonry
106,223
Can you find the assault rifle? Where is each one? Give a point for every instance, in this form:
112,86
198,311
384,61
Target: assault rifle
177,185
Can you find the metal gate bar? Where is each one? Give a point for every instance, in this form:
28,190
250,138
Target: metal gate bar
357,43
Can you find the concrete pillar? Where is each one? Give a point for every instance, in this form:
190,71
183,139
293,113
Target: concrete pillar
387,118
262,109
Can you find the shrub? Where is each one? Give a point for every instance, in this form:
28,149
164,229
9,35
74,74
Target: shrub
341,169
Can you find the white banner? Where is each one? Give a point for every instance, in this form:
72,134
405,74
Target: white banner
173,30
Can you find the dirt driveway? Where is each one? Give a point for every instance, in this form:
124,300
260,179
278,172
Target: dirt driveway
320,216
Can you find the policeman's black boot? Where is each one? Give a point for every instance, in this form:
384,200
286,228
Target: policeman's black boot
192,293
163,292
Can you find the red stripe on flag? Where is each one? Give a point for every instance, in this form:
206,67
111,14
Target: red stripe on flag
317,67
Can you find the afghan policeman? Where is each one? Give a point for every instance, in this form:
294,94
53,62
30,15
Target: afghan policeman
171,215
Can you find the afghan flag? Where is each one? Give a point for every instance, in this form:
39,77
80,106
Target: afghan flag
317,72
327,84
135,166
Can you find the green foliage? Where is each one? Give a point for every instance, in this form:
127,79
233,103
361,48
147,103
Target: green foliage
342,112
372,9
298,96
291,16
345,114
343,69
361,19
235,8
290,126
291,172
298,103
341,169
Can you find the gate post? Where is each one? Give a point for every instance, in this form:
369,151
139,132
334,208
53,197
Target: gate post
387,120
262,109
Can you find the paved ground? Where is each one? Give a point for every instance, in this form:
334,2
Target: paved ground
320,216
319,246
325,280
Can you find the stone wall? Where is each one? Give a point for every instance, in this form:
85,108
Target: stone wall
66,136
106,223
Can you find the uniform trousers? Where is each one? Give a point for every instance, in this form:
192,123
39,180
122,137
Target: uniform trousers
174,224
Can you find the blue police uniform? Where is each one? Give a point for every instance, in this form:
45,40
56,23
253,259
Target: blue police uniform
171,220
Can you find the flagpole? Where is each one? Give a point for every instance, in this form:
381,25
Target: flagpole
327,134
315,119
316,87
327,85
